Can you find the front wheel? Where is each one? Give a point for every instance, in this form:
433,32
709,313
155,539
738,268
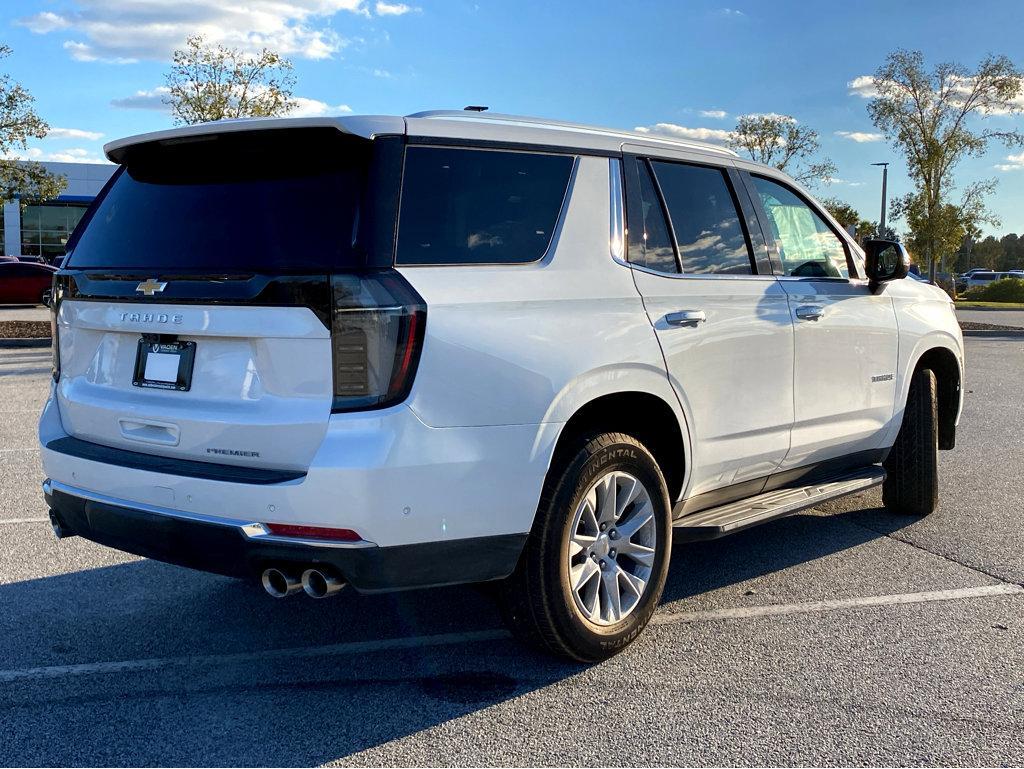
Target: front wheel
595,563
912,467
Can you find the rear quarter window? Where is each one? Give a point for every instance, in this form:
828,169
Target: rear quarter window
470,206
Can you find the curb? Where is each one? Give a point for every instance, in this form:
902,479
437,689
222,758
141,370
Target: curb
43,341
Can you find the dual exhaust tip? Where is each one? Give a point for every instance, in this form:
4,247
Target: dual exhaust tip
281,583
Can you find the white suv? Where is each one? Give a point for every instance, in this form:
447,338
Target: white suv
453,347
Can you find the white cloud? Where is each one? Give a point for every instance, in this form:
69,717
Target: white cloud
153,99
773,116
715,135
123,31
962,87
1014,163
315,108
861,136
731,12
72,155
393,9
73,133
863,86
46,21
717,114
382,73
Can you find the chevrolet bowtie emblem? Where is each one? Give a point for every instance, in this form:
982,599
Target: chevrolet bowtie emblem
150,286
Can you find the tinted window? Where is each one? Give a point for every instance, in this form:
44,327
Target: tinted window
462,206
708,231
272,201
807,246
649,241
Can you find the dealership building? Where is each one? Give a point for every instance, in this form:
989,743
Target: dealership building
43,229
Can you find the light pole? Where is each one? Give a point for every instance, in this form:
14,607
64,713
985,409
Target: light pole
885,179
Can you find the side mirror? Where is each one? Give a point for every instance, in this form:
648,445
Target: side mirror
886,260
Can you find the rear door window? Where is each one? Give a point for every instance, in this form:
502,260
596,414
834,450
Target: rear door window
470,206
705,219
649,242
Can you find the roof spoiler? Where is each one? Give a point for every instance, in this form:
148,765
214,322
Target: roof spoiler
365,126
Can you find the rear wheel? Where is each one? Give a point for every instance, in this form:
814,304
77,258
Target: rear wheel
595,563
912,481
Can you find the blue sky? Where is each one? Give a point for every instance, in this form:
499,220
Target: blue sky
95,66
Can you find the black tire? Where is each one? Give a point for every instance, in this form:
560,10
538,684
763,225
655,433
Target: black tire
536,599
912,468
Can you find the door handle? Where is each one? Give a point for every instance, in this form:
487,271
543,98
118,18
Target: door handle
810,312
686,318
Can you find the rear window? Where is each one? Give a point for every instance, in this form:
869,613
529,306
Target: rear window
466,206
271,201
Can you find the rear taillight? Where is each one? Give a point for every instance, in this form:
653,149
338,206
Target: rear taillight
377,325
55,297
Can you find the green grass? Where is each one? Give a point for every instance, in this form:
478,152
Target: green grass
968,305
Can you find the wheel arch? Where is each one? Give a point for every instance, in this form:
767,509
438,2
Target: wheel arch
647,417
946,366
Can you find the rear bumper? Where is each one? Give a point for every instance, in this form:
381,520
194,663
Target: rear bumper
384,474
243,549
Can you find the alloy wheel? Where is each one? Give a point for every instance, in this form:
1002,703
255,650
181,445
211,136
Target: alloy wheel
612,545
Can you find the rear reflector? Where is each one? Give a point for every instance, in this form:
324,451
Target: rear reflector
312,532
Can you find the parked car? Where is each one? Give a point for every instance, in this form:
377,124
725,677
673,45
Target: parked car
25,282
522,351
983,278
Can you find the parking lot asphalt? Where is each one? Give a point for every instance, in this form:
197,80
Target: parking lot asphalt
842,636
994,315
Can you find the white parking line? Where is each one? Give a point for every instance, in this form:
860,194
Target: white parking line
811,607
355,647
451,639
7,521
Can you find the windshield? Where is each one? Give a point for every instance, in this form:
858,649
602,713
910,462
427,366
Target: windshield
272,201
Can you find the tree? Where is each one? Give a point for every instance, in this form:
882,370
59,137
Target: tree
1011,254
927,117
842,212
986,253
848,217
19,123
942,228
778,140
216,83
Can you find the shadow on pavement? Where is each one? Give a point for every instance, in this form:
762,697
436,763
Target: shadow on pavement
314,708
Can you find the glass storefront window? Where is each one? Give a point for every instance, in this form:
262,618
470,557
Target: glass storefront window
45,228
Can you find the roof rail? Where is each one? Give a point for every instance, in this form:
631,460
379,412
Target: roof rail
537,122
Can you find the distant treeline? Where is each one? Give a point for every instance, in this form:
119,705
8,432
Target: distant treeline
1005,253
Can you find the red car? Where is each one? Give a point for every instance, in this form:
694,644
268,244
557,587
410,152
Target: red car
25,282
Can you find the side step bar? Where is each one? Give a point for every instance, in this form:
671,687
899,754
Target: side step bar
736,516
